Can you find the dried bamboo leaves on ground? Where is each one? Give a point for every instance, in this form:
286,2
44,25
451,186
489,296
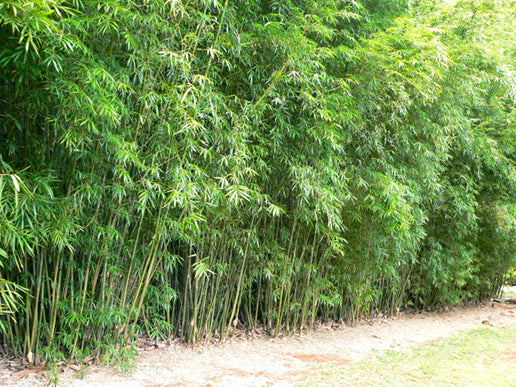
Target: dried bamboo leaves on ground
256,360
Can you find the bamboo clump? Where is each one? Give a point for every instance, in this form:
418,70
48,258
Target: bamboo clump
186,168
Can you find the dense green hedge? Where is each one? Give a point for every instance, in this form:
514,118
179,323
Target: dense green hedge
178,167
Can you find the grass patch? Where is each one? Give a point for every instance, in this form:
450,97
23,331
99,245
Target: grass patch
482,357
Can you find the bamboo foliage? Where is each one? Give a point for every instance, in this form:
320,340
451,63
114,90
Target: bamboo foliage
186,168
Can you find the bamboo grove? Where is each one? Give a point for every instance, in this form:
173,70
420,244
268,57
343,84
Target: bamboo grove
181,167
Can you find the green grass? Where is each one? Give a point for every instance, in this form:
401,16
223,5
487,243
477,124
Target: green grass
482,357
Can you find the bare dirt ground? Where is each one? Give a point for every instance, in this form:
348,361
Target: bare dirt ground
279,361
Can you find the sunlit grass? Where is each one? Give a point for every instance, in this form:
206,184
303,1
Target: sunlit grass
483,357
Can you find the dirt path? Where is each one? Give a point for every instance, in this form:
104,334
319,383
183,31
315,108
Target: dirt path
258,361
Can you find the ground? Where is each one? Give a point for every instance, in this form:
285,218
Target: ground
258,360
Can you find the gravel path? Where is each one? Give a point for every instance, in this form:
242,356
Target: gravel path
262,360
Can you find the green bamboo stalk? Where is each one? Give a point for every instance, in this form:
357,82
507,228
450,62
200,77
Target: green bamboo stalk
55,296
150,270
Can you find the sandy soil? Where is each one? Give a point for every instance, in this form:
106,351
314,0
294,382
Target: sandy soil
279,361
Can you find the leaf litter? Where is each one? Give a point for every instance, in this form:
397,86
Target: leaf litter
256,359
